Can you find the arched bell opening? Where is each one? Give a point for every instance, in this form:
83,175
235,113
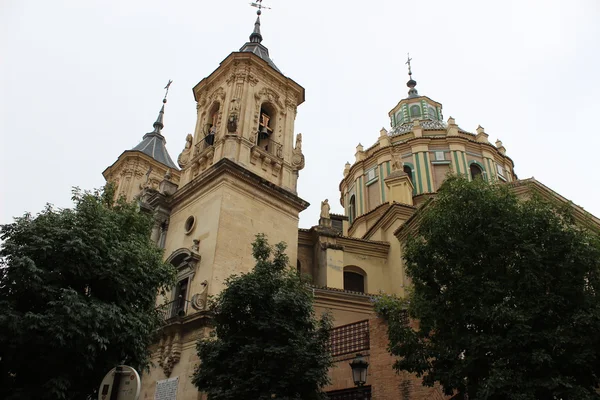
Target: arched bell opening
266,125
212,123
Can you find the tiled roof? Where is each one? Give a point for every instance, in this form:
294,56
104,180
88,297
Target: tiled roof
153,143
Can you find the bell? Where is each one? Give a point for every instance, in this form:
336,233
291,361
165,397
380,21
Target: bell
264,133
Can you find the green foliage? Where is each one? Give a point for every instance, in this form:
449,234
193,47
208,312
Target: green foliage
266,341
77,296
506,294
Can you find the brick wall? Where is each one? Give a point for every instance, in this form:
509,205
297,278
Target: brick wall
385,383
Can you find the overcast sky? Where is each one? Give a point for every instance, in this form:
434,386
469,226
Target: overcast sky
82,81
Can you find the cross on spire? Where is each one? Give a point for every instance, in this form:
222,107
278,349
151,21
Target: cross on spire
258,4
167,90
408,63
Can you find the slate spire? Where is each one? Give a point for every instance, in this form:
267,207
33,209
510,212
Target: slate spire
153,143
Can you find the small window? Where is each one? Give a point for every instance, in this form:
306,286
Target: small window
408,171
432,113
500,169
190,223
399,118
415,111
476,171
352,208
371,174
354,282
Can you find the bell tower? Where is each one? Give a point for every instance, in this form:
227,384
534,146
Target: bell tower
239,170
245,113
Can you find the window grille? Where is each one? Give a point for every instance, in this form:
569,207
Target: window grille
349,339
360,393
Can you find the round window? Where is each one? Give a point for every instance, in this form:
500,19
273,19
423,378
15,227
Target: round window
189,224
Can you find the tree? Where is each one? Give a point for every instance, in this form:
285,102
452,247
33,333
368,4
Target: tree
506,297
77,296
266,341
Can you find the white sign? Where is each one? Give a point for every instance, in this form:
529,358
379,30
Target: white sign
129,384
166,389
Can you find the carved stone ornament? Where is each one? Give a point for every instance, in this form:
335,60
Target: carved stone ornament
325,209
271,96
186,155
169,352
200,300
232,123
186,262
397,164
297,156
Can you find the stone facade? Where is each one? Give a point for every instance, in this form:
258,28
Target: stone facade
238,178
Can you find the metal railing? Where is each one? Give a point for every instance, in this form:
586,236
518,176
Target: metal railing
173,309
358,393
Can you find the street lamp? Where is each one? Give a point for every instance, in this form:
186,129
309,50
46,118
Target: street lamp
359,370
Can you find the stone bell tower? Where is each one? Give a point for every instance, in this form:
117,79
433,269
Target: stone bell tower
245,113
239,170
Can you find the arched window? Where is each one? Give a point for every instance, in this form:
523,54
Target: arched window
415,111
476,171
433,114
399,118
408,171
266,125
352,208
185,262
354,279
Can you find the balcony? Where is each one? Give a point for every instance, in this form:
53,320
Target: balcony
358,393
174,309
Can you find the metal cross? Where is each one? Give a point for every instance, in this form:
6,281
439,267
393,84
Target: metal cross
167,90
408,62
258,4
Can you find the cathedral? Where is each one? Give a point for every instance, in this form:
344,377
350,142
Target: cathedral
237,176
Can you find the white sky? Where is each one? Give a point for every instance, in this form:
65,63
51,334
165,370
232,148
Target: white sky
82,81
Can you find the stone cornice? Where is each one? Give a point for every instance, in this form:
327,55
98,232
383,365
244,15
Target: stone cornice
379,209
523,186
364,247
310,237
225,168
136,154
391,214
411,224
340,299
238,56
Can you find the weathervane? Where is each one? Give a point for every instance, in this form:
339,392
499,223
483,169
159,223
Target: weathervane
408,63
167,90
258,4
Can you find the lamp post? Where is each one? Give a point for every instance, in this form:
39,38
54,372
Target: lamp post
359,370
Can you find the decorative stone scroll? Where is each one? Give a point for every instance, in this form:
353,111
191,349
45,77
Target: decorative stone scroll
200,300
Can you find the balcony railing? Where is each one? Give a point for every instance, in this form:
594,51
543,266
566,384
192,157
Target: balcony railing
176,308
359,393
